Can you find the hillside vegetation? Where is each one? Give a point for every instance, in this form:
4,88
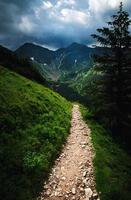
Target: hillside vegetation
34,122
112,163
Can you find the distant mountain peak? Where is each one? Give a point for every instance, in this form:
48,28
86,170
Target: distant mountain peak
73,56
39,53
77,45
33,45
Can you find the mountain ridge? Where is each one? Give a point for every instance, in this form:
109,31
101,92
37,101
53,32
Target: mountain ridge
22,66
70,58
32,59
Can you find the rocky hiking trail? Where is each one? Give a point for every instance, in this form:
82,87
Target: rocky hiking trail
72,176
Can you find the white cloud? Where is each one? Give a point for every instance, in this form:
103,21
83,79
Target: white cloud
26,26
101,6
65,3
46,5
60,13
73,16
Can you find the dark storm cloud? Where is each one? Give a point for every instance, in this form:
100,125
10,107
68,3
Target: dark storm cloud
10,17
54,23
10,12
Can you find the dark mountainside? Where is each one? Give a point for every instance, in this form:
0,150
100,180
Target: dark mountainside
22,66
40,54
62,67
41,73
75,56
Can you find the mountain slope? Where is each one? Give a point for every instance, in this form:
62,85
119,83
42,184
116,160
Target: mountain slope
112,162
75,56
84,81
24,67
34,124
38,53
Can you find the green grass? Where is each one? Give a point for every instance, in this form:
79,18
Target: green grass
112,164
34,123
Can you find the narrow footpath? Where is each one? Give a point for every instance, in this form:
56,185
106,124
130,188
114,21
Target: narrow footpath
72,176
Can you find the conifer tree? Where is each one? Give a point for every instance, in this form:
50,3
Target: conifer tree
115,68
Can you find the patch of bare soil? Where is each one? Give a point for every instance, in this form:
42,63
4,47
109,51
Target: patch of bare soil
72,176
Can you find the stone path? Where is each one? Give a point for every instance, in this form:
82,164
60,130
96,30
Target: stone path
72,175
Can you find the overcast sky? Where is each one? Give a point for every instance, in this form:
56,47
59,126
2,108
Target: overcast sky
53,23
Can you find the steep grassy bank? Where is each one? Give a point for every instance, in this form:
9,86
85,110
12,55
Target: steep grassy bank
34,124
112,164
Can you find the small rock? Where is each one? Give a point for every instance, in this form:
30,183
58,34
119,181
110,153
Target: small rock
73,191
81,189
57,176
60,195
95,196
56,193
73,143
83,143
45,186
63,178
84,174
54,186
88,193
48,192
85,181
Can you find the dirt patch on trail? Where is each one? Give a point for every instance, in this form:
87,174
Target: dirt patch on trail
72,176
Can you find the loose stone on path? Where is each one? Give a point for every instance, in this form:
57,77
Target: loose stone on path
72,176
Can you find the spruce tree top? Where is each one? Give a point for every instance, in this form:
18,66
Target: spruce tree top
116,35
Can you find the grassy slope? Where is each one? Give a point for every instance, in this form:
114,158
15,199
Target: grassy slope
34,124
112,164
